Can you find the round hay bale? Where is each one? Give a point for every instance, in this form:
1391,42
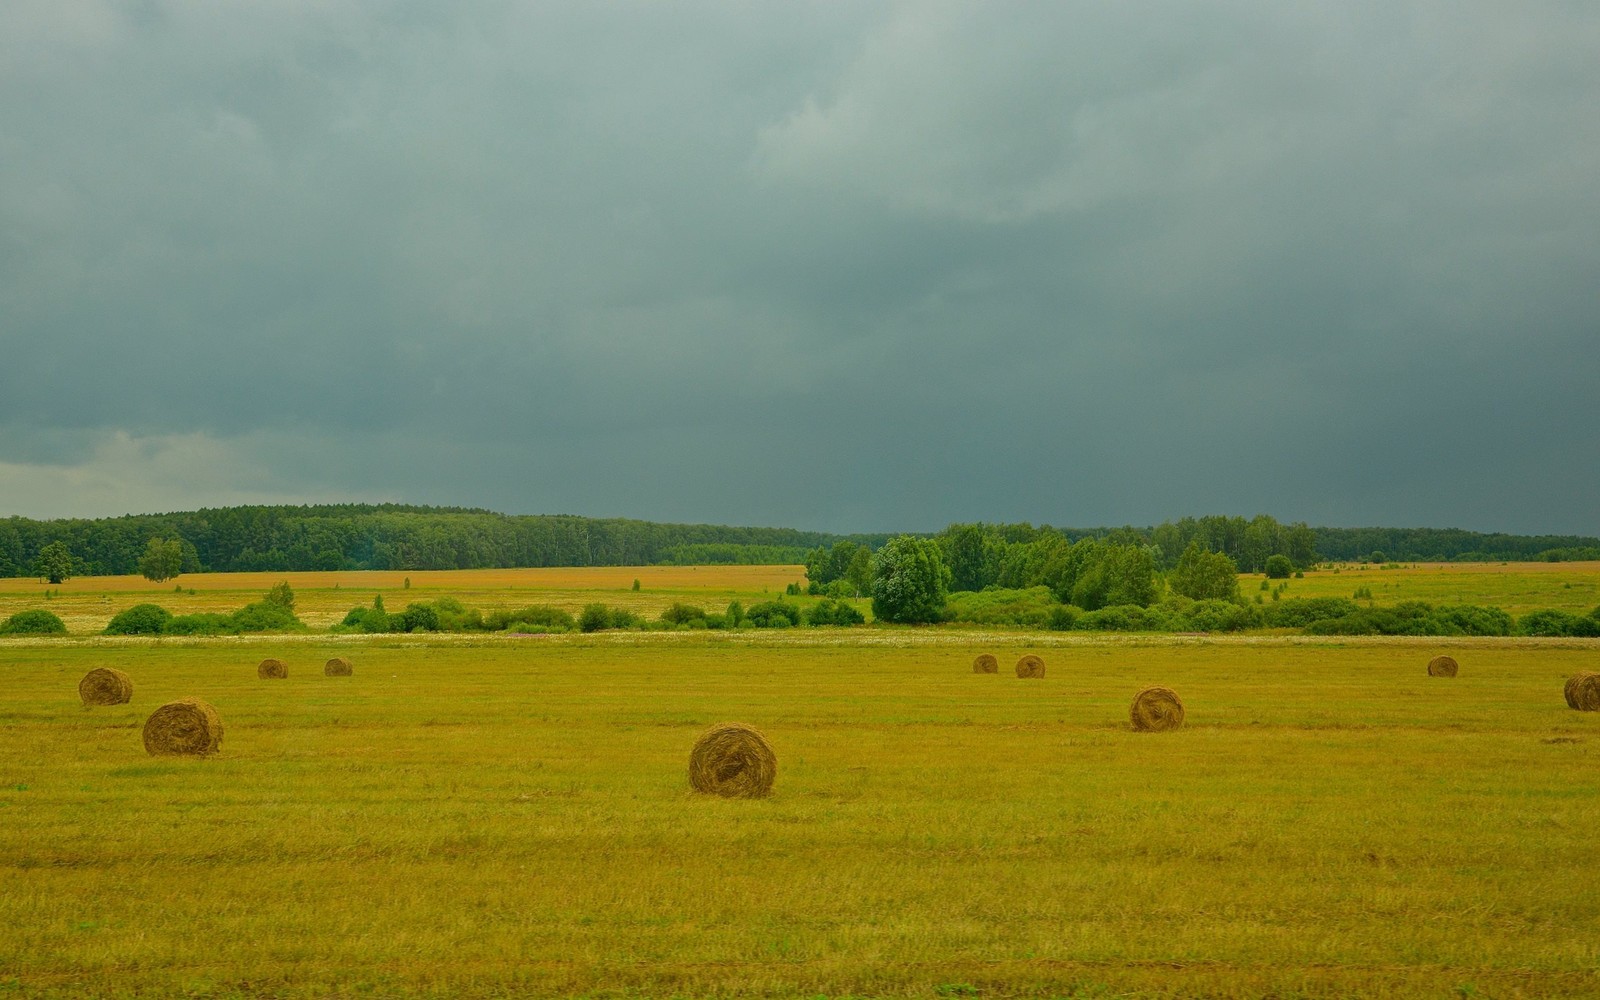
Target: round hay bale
187,726
105,686
1569,690
986,663
1583,692
733,760
1030,666
272,668
336,667
1156,709
1443,666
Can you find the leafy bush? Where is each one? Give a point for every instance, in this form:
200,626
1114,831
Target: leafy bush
998,606
773,614
1213,616
204,623
1123,618
1550,622
1063,618
1279,567
141,619
683,614
534,618
735,614
453,616
596,617
1472,619
33,622
1298,612
831,612
369,620
266,616
417,617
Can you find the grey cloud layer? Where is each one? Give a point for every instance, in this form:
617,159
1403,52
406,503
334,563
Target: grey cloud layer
852,266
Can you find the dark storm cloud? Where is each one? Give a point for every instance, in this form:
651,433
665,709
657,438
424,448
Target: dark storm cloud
854,266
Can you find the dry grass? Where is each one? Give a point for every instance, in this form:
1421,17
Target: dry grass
105,686
1583,692
733,760
186,727
1156,709
490,818
1031,665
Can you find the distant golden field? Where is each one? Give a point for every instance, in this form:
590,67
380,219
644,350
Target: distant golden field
497,816
86,604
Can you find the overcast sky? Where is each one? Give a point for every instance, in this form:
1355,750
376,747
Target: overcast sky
848,266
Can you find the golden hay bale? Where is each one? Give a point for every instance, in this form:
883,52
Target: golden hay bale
105,686
1156,709
1583,692
272,668
733,760
986,664
336,667
185,726
1443,666
1030,666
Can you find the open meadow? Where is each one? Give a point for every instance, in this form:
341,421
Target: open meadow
86,604
495,816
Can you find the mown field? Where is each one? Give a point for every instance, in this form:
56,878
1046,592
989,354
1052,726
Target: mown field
86,604
499,816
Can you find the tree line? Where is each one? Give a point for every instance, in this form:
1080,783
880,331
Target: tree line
381,537
400,537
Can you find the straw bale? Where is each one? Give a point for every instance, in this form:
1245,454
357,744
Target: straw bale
270,668
1156,709
1030,666
1583,692
337,667
105,686
1443,666
986,663
187,726
733,760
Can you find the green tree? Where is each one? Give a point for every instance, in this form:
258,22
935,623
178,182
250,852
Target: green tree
859,573
1279,567
162,559
972,554
54,563
1113,575
281,595
1204,575
910,581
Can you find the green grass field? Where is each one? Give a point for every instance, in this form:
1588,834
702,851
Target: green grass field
507,817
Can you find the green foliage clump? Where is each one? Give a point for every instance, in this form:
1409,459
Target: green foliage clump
1123,618
773,614
598,617
266,616
1207,576
1211,616
831,612
33,622
1298,612
682,614
418,616
162,559
1550,622
910,581
373,620
1416,618
734,614
1279,567
1002,606
141,619
535,618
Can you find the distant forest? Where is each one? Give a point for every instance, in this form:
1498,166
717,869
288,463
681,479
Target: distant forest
399,537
